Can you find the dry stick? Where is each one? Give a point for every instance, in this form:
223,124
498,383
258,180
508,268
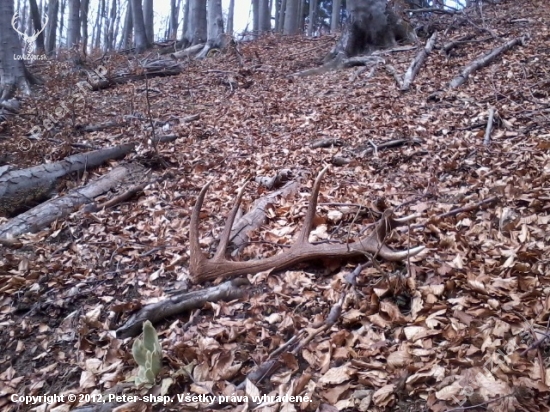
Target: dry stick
418,61
456,211
489,128
391,143
483,61
461,40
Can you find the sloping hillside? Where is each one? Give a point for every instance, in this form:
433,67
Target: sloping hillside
459,325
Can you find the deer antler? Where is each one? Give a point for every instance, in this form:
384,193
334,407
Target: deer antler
36,33
203,269
14,24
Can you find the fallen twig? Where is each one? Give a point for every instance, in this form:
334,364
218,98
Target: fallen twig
463,209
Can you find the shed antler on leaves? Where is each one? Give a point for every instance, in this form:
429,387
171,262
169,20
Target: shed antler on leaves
203,269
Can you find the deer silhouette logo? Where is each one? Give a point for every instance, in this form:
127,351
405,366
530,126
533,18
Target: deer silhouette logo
27,40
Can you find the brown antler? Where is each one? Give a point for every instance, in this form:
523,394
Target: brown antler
203,269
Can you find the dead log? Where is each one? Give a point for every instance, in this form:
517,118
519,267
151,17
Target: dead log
203,269
418,62
39,217
254,219
19,188
180,303
188,52
484,61
156,68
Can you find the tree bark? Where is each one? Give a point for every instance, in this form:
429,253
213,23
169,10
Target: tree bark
264,15
37,23
73,29
53,9
148,16
335,17
255,17
174,13
313,5
230,17
291,17
13,74
110,42
372,25
128,27
61,23
140,36
215,27
84,7
46,213
197,29
19,188
279,15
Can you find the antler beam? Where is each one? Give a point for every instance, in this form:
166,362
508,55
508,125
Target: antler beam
203,269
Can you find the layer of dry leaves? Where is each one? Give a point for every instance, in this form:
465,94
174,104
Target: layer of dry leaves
459,325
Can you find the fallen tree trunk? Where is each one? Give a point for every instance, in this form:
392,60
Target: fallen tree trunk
183,302
483,61
418,62
19,188
44,214
157,68
188,52
256,217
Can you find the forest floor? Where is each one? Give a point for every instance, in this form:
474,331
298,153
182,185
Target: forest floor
462,324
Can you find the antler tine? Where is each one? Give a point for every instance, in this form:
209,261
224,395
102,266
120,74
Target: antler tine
224,237
13,21
311,208
398,255
386,224
194,245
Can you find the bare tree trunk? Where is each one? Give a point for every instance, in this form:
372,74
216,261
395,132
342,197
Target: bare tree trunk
13,74
264,13
313,5
106,22
335,18
174,13
140,36
84,6
148,17
61,23
230,17
277,16
37,23
215,27
197,29
110,44
53,10
73,29
255,17
128,26
185,20
301,19
116,28
291,17
372,25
